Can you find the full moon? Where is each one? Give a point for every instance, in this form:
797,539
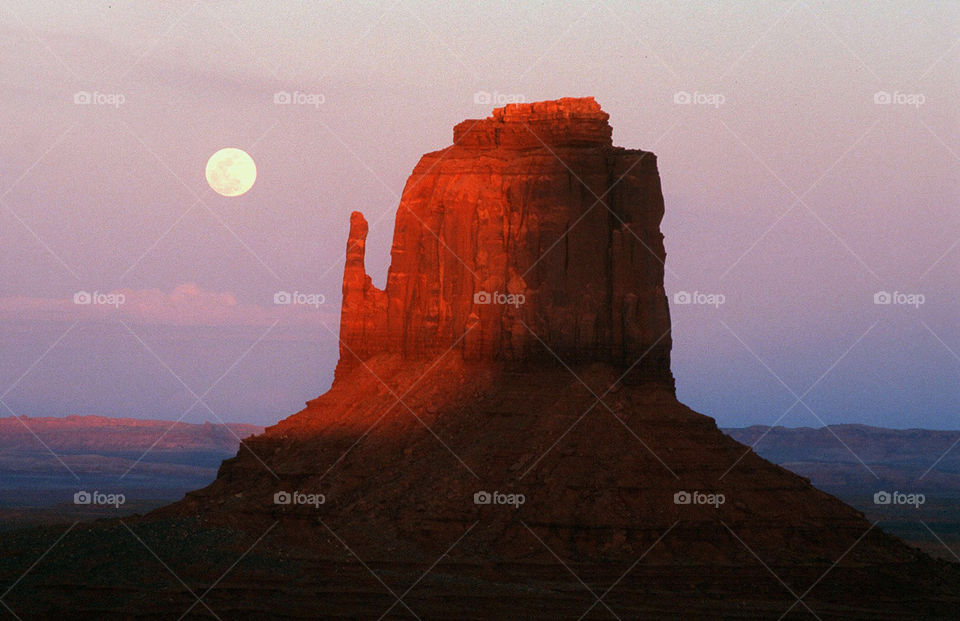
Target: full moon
231,171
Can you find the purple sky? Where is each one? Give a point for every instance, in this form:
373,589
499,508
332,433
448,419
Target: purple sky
789,191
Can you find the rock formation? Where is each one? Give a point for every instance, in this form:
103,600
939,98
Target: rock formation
532,232
561,394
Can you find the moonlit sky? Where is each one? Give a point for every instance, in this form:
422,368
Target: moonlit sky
796,198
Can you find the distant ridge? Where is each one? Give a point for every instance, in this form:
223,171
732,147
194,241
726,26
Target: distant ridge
840,459
92,432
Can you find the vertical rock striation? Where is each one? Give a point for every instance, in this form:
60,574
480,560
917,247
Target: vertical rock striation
532,233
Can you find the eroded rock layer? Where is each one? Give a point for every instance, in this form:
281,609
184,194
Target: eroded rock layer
531,234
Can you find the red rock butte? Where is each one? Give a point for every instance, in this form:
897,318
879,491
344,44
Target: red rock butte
404,446
531,234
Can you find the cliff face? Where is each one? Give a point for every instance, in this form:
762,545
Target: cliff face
532,231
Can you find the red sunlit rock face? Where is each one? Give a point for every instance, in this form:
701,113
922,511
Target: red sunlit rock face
531,232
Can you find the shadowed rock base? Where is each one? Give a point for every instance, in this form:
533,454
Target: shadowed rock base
598,508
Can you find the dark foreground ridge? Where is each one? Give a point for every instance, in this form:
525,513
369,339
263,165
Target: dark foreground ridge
479,459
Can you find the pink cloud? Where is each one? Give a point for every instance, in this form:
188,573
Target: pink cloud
187,305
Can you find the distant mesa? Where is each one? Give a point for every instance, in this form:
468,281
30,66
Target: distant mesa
76,434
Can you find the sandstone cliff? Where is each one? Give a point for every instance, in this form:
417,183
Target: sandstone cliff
531,232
